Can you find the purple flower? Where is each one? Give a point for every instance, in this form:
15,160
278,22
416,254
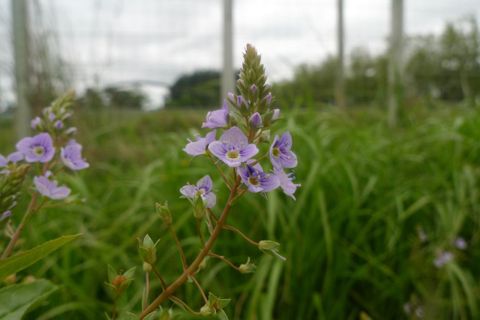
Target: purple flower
217,118
253,88
286,182
58,124
443,258
268,98
460,243
5,215
280,152
256,180
49,188
233,148
35,122
72,156
241,101
38,148
199,146
256,120
51,116
202,189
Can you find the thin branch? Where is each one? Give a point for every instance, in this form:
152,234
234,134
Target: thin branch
179,247
240,233
231,264
159,276
182,304
219,169
200,288
168,292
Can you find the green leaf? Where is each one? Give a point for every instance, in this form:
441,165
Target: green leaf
16,300
27,258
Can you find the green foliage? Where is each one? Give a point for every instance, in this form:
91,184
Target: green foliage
113,97
18,299
351,238
25,259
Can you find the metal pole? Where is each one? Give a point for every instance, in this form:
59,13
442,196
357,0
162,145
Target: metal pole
228,77
395,72
20,50
340,83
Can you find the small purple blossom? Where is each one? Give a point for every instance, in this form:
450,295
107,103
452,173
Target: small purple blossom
256,179
286,182
443,258
5,215
35,122
49,188
240,101
202,189
280,152
256,120
72,156
217,118
231,96
460,243
38,148
199,146
58,124
253,88
233,148
51,116
268,98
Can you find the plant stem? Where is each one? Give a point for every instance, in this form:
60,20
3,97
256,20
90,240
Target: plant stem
159,276
28,214
243,235
204,296
230,263
168,292
147,290
179,247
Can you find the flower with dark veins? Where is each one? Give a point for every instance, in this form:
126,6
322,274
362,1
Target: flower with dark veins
38,148
281,154
286,182
202,189
233,148
72,156
217,118
256,179
199,146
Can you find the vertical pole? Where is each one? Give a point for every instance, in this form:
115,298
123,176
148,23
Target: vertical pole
340,83
20,51
228,77
395,72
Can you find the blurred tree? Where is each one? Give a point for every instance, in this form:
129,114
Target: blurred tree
112,97
198,89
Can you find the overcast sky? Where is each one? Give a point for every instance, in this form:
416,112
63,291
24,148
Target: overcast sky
118,40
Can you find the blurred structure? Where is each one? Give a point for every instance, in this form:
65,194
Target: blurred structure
395,63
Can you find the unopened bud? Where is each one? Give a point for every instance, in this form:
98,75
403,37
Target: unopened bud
147,250
164,212
147,267
206,310
268,245
256,120
276,114
247,267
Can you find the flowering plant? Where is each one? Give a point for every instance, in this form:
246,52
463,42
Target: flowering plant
44,156
240,147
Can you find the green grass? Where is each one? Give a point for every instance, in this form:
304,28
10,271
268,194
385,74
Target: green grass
351,238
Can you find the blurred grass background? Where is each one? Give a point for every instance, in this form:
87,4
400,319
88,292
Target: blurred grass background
351,239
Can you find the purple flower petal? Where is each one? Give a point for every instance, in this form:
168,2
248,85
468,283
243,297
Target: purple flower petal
234,136
72,156
202,189
256,120
38,148
35,122
199,147
210,199
256,180
189,191
248,152
217,118
280,154
205,183
286,182
233,148
50,189
15,157
3,161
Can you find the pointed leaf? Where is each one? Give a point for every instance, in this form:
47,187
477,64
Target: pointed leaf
16,300
27,258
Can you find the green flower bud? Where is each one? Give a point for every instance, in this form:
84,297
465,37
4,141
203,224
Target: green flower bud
164,213
265,245
147,267
206,310
247,267
147,250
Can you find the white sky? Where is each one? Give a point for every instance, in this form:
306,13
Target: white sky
121,40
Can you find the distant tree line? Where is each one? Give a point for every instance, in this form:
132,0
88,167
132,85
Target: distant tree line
444,67
113,97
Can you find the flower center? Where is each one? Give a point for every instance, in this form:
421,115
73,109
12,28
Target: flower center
38,151
276,152
201,192
232,154
253,181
